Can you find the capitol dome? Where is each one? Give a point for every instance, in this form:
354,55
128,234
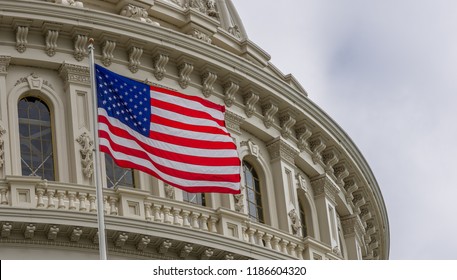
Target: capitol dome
306,190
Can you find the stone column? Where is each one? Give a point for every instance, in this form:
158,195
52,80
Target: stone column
325,191
282,157
4,142
353,231
78,119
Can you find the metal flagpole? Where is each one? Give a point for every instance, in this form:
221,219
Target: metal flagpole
97,171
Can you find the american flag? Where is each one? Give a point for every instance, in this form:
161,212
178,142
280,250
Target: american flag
178,138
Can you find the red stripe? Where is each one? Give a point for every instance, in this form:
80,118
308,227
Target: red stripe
233,178
190,127
198,99
192,143
196,160
195,189
183,111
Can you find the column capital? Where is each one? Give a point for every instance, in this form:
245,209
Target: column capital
323,185
233,121
74,73
4,63
280,149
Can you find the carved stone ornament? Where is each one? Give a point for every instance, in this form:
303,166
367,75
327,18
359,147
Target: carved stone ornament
303,134
51,42
143,243
21,38
269,109
352,225
87,154
80,49
329,158
207,7
207,254
230,88
52,232
134,58
253,148
317,145
250,100
282,150
233,121
2,151
208,79
184,70
160,61
301,182
350,186
72,73
137,13
322,185
287,121
341,172
295,222
185,251
235,31
72,3
29,231
201,36
169,192
108,52
4,63
239,200
6,230
121,239
75,235
164,246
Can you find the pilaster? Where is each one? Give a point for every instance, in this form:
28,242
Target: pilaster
4,139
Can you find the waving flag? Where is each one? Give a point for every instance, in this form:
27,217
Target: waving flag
177,138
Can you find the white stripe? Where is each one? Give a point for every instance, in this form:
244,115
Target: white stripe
171,115
167,177
186,103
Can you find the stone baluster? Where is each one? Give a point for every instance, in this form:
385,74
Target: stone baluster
106,206
291,248
113,207
60,199
3,198
50,193
175,212
82,201
71,200
283,246
147,211
212,224
185,218
275,243
267,238
250,232
39,193
92,207
299,252
259,238
156,213
204,222
194,220
166,214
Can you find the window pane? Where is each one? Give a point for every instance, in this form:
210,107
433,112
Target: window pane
194,198
254,197
116,175
35,138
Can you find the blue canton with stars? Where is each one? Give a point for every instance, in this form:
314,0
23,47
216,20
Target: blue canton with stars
124,99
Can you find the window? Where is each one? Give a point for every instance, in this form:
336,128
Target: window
303,218
116,175
194,198
254,198
35,133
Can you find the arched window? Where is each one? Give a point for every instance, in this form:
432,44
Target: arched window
254,197
194,198
35,133
116,175
302,218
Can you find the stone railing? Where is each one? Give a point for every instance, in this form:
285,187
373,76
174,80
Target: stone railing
34,193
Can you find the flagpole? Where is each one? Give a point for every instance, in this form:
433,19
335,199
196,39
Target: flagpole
97,171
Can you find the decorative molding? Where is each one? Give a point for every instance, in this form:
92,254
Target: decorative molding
352,225
358,201
323,185
269,109
108,52
160,62
230,88
208,79
301,182
329,158
29,231
52,232
75,235
233,121
207,254
185,69
80,46
2,147
6,230
303,133
135,54
341,172
51,42
137,13
287,120
250,100
350,185
235,31
21,38
4,63
87,154
279,149
295,222
185,251
253,147
143,243
164,246
121,239
201,36
72,3
72,73
207,7
317,145
169,191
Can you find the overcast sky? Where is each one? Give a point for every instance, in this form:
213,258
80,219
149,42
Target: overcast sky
386,72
